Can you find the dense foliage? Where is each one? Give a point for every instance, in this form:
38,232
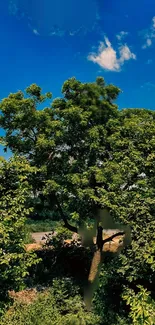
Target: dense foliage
90,155
14,261
61,304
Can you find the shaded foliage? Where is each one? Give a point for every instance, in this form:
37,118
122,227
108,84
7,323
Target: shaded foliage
66,260
61,304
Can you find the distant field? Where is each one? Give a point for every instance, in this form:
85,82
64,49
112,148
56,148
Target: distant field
33,226
39,239
41,225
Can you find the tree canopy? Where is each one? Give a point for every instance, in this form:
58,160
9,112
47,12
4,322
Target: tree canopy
67,141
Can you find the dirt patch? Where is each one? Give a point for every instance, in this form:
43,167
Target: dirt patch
25,296
33,247
113,246
29,295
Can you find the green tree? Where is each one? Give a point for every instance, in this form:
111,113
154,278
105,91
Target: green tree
67,141
91,155
14,260
131,198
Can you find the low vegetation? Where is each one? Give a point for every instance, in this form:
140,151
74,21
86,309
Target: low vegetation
62,304
41,225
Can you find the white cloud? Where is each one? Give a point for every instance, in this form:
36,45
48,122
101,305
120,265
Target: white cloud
149,34
108,58
148,43
35,32
121,35
153,21
126,54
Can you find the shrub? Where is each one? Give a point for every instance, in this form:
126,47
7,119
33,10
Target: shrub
61,304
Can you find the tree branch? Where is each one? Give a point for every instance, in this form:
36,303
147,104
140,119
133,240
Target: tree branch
64,218
100,242
120,233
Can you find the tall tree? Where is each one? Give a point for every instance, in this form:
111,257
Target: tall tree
91,155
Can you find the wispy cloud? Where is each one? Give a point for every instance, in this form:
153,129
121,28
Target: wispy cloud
121,35
149,34
148,43
148,85
110,59
153,21
35,31
149,61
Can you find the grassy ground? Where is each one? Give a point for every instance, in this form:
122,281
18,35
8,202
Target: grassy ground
38,226
41,225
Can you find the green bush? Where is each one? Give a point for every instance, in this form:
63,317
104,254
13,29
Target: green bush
142,307
57,240
61,304
28,237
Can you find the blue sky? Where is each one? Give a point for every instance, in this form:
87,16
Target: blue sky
47,43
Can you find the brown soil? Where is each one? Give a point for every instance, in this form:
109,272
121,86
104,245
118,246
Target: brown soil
33,247
25,296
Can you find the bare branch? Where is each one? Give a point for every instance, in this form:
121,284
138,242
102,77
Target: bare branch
64,218
120,233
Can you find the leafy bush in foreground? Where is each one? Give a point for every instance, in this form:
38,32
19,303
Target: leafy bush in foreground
61,304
